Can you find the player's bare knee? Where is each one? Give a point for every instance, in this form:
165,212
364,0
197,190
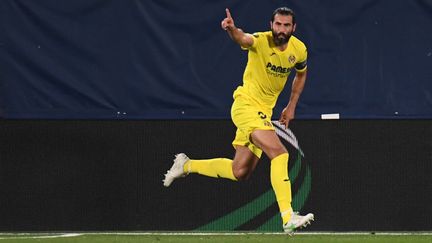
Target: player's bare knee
275,151
241,174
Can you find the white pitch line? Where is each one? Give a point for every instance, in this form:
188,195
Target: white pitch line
29,236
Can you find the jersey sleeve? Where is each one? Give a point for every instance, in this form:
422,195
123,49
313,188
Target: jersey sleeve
301,65
256,38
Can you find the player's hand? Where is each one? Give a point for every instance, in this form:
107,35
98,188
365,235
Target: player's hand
228,22
286,116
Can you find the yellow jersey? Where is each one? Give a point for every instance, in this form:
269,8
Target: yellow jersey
268,68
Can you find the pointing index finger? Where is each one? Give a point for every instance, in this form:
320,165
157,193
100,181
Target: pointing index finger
228,13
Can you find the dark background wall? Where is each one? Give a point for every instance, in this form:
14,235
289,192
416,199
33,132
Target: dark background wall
170,59
107,175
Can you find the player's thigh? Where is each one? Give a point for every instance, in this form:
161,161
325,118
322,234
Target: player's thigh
269,142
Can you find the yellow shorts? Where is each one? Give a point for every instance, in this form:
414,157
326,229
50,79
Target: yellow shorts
249,116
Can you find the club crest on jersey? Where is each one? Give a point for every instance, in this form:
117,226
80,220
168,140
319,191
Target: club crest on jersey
291,59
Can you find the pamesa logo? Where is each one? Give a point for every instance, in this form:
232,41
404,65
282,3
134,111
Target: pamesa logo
300,176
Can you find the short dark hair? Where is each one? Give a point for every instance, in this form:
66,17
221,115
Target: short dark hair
284,11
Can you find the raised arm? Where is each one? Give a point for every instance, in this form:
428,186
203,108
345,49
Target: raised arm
236,34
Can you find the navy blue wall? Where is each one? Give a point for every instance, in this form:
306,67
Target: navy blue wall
170,59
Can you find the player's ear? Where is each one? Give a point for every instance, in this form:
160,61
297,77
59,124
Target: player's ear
271,25
294,27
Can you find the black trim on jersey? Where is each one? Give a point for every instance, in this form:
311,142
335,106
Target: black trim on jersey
301,65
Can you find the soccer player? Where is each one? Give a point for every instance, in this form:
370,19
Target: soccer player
271,57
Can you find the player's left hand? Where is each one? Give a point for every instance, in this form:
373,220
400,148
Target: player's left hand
286,116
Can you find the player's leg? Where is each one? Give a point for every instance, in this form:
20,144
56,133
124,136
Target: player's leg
217,167
245,160
244,163
246,155
238,169
270,143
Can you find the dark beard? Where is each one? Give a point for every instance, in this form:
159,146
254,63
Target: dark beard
280,39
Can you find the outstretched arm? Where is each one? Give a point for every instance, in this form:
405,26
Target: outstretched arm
296,90
236,34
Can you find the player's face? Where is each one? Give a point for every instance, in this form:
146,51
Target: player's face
282,28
